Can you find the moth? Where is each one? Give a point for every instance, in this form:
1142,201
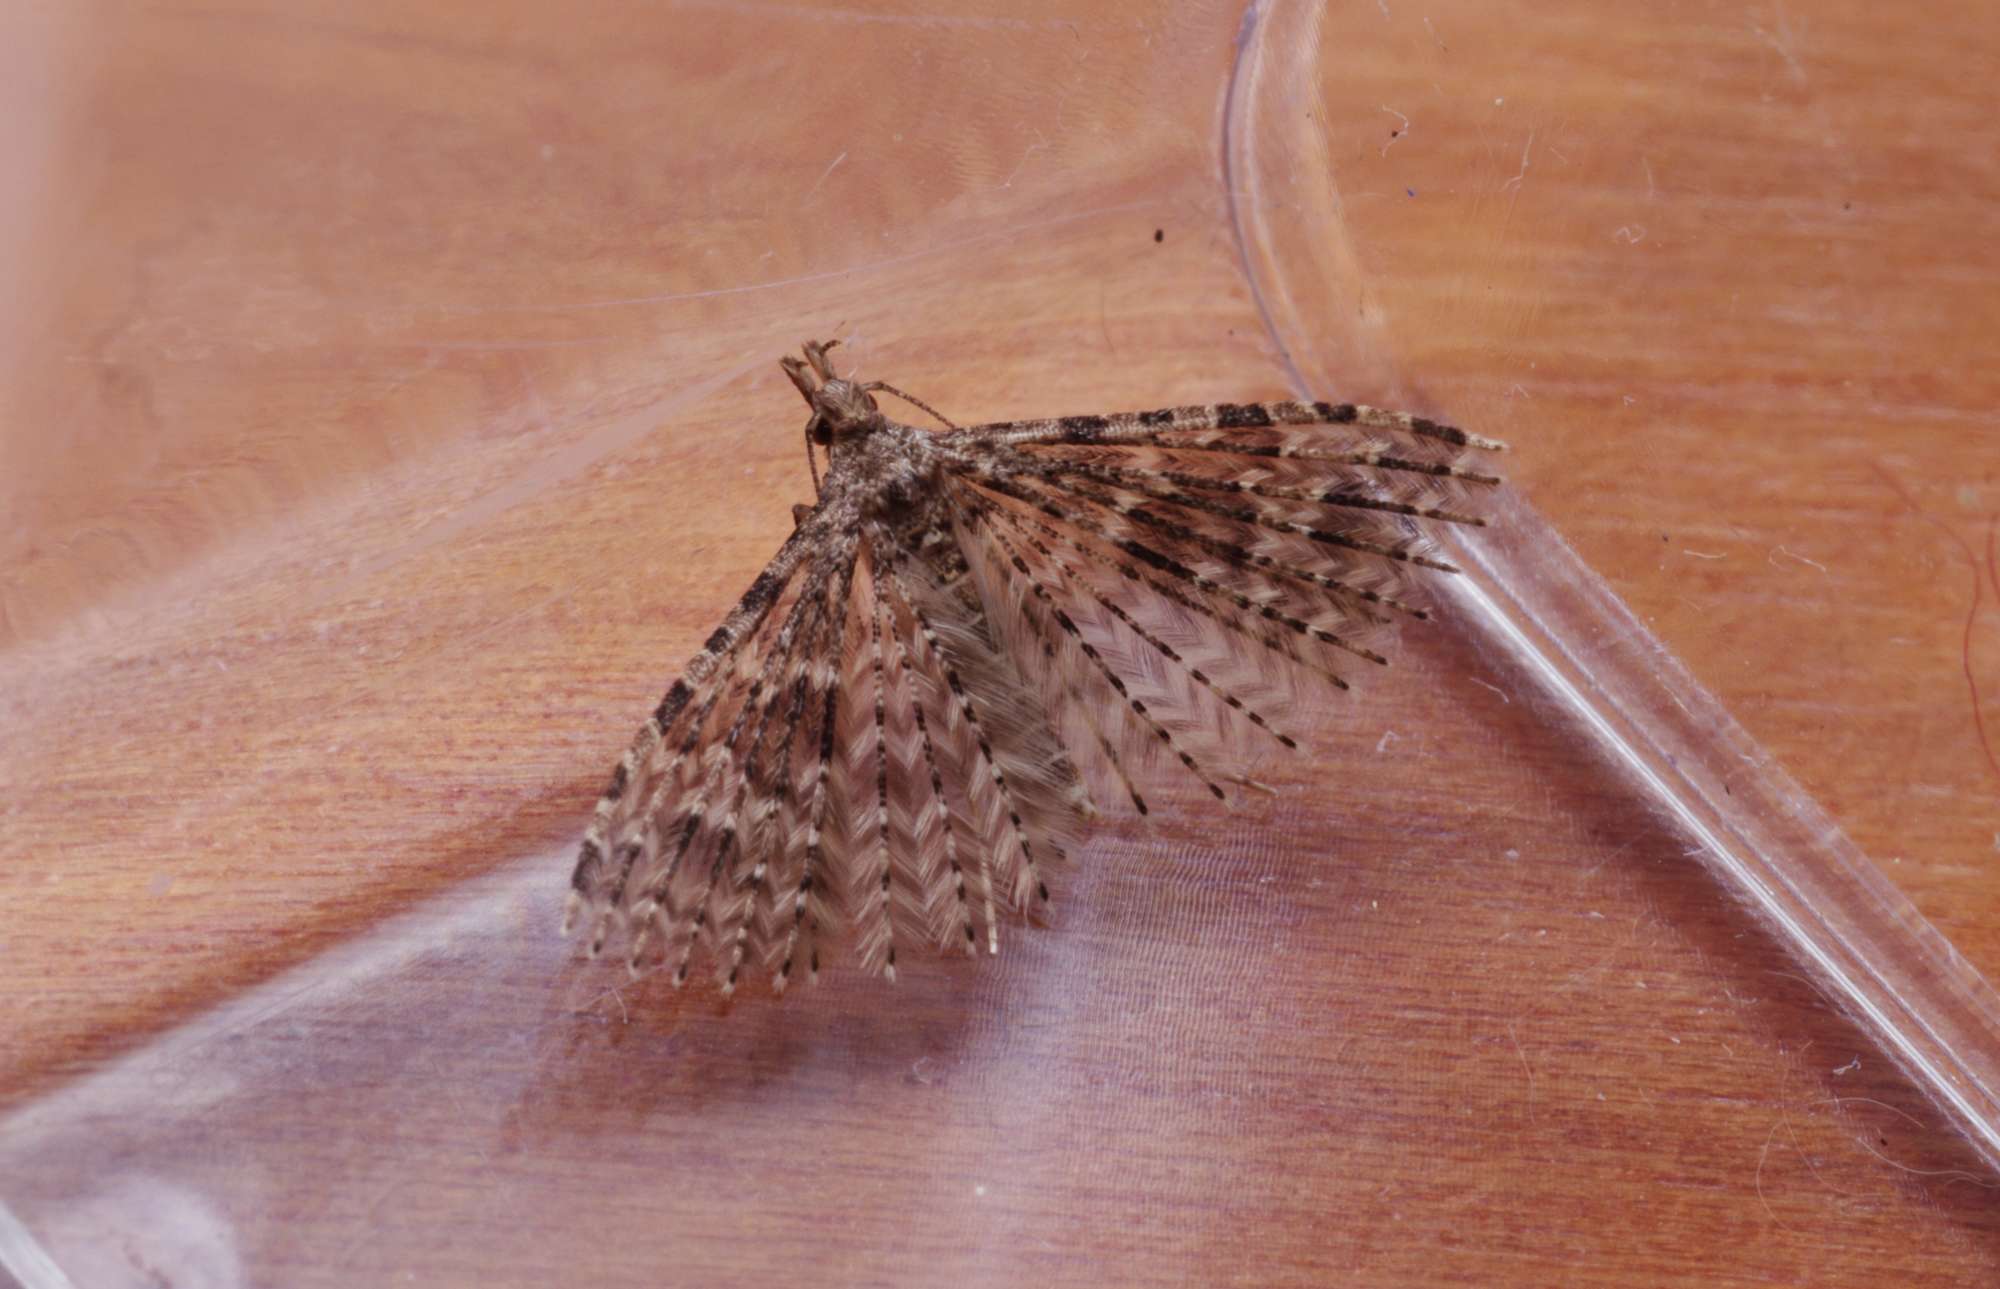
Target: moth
979,637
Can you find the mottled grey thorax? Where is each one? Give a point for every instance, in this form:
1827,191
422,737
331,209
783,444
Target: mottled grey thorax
891,471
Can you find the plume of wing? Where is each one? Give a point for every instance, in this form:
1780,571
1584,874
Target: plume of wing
1191,574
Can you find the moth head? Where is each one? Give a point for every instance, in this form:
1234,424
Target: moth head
838,405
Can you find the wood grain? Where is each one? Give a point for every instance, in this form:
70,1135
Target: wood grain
390,404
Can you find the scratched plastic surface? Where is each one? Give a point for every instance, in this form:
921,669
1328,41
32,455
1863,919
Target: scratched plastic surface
432,416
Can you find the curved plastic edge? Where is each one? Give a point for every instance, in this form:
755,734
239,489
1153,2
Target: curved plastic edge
1538,608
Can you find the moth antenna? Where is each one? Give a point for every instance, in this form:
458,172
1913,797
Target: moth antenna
913,401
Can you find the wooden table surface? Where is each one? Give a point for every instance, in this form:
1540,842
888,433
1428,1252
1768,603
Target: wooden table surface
390,405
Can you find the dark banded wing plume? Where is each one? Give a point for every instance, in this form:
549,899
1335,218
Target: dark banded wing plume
892,739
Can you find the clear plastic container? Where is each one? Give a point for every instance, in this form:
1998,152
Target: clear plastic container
422,374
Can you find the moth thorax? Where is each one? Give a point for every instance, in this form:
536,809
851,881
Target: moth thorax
903,493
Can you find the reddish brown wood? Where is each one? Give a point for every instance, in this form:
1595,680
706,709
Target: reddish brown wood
391,404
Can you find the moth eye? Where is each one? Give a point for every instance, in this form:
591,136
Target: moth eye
821,433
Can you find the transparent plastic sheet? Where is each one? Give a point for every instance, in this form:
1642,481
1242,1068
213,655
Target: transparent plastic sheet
1563,630
1402,1024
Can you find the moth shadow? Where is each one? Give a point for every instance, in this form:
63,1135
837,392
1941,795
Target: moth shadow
633,1058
